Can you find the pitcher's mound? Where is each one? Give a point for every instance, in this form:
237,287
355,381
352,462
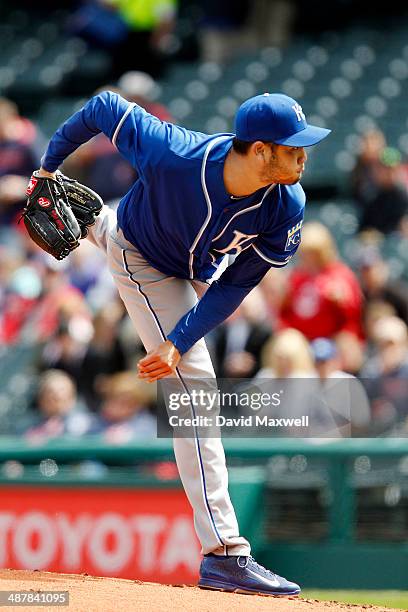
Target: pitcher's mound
91,594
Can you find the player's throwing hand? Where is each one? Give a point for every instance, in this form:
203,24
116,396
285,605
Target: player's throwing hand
160,362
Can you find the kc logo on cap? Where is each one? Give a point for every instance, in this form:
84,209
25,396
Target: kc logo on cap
299,112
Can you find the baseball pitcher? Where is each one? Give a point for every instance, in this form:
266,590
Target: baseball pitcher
198,198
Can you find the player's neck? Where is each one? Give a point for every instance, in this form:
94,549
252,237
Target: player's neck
239,181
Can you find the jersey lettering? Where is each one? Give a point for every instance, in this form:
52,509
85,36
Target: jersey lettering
237,242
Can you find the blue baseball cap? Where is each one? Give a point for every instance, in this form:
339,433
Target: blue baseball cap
276,118
323,349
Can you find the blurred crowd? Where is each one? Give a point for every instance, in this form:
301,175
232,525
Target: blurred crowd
157,31
151,33
318,318
134,32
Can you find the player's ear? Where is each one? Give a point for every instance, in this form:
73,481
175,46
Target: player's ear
258,148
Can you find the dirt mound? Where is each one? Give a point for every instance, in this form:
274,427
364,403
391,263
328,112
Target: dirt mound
91,594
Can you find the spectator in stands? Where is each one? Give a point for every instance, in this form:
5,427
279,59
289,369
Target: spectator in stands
323,297
20,289
60,304
340,393
18,157
150,39
139,87
364,182
61,322
386,373
233,27
287,355
239,342
326,359
99,23
273,287
104,355
287,370
58,410
387,210
124,413
374,312
84,268
224,29
377,285
138,34
66,349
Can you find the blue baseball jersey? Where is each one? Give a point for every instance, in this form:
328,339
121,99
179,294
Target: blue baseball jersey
178,213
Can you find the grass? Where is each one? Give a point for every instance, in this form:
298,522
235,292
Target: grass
389,599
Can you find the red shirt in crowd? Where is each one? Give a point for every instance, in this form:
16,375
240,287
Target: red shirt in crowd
324,303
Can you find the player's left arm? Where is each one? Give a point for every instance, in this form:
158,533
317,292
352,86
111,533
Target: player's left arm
221,299
138,136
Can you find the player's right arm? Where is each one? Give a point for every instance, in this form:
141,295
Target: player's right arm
220,300
272,248
139,136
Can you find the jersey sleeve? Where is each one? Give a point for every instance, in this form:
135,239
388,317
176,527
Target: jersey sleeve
272,249
279,245
221,299
139,136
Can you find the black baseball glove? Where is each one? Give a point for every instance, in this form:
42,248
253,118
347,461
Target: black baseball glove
48,217
85,203
58,213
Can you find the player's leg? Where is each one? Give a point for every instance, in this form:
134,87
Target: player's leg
99,232
155,302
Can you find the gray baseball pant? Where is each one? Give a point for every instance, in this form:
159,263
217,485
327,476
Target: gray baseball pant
155,303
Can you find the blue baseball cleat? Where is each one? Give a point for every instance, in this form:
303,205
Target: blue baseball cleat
242,575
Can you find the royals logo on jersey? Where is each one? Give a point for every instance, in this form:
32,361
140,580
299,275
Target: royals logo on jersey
239,242
293,238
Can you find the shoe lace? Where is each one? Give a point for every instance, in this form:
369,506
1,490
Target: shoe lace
257,565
